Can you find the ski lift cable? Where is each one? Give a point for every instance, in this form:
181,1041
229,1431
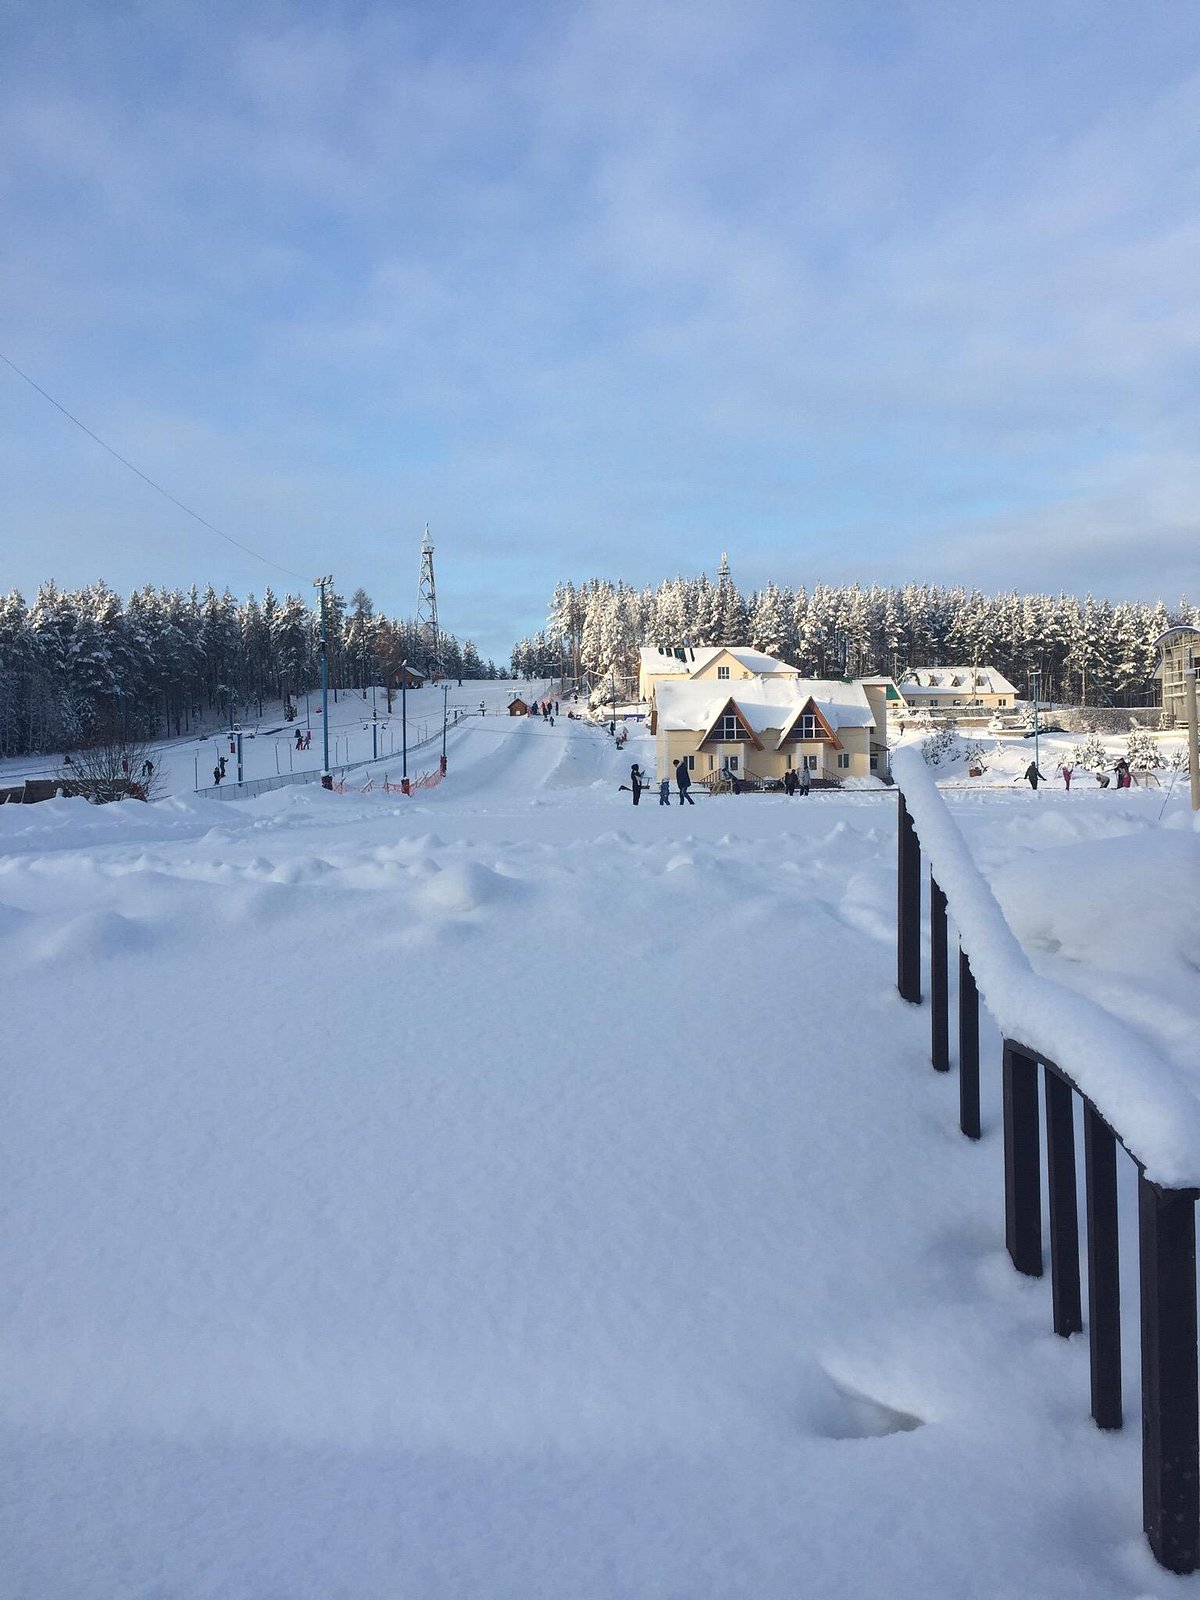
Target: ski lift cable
167,495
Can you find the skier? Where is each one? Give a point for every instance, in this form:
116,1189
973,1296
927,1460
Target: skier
683,782
664,790
635,782
1033,776
804,783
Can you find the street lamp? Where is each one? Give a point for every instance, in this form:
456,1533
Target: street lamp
445,715
1035,678
326,776
404,726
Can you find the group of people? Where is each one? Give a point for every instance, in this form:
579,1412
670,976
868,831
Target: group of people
303,739
1122,773
797,782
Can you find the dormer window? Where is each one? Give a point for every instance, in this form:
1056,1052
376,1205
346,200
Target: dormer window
722,672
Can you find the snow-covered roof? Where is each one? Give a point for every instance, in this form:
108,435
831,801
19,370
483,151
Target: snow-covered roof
766,703
919,681
687,660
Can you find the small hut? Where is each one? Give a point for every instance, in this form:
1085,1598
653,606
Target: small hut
518,708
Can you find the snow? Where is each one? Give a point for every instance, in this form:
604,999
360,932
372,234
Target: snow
461,1196
1143,1095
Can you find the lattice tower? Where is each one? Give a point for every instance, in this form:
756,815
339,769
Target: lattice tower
427,617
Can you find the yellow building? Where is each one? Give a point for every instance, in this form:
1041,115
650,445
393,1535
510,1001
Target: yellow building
951,689
760,727
710,663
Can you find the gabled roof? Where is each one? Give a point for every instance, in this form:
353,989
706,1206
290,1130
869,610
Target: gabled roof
742,717
918,681
764,704
810,705
685,661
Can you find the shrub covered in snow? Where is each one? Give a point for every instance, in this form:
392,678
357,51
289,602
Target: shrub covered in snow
1091,755
940,747
1141,749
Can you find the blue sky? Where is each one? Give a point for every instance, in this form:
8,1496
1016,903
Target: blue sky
855,291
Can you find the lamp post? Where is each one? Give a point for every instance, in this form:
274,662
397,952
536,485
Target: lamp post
1035,678
1193,740
404,726
445,716
326,775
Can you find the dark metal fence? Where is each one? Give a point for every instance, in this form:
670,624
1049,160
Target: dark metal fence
1170,1404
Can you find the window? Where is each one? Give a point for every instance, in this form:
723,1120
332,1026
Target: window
691,761
843,759
807,727
1002,701
722,672
811,763
729,729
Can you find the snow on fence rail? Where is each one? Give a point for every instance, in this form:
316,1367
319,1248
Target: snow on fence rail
1129,1096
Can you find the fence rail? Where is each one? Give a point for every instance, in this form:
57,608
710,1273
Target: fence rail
1170,1394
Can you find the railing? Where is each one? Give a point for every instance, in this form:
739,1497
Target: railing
1046,1026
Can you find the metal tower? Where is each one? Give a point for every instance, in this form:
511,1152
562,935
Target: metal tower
427,617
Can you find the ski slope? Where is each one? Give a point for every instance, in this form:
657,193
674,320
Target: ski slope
507,1192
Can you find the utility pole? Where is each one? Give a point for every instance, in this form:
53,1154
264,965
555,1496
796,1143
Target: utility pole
326,776
404,726
1035,676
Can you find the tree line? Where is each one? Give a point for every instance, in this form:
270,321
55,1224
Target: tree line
79,665
1088,651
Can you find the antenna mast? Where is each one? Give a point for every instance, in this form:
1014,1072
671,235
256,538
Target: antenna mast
427,617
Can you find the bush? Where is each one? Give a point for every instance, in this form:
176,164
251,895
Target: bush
1141,749
1091,755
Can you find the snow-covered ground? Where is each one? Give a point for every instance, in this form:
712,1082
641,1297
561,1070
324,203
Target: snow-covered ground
505,1192
360,729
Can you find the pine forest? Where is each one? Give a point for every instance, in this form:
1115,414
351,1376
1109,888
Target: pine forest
1089,652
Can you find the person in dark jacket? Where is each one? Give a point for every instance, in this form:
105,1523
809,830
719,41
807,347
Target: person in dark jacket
1034,776
635,782
683,781
789,781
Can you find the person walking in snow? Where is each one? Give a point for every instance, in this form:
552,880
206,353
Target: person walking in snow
789,782
635,782
683,781
1121,768
1066,777
217,773
299,739
804,783
664,792
1033,776
308,739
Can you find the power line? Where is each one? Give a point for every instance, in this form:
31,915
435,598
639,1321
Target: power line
166,494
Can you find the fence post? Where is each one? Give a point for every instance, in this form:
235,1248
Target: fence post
1022,1163
939,983
908,906
1104,1268
1064,1206
1170,1416
968,1048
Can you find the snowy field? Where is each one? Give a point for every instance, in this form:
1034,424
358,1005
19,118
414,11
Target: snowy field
508,1193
